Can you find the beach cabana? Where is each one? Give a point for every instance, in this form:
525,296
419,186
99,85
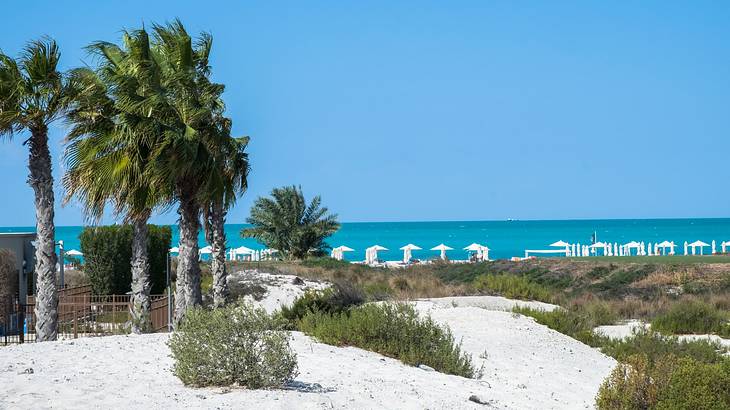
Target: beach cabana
698,244
371,254
339,252
663,246
599,245
632,245
442,248
407,251
481,251
242,251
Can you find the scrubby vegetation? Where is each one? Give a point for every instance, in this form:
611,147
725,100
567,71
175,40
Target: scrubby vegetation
693,317
329,301
394,330
511,286
666,383
238,344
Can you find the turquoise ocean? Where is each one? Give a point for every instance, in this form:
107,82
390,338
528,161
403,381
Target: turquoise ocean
504,238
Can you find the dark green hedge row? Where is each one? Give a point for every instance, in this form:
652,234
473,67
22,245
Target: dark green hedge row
107,257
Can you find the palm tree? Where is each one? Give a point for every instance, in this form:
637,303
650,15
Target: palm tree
112,149
32,96
226,180
195,103
285,222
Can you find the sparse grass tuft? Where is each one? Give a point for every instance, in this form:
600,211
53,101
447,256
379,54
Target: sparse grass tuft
514,287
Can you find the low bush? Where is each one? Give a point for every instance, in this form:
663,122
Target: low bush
654,345
325,263
666,383
511,286
238,344
693,316
393,330
339,298
579,325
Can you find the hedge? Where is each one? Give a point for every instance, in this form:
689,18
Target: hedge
107,257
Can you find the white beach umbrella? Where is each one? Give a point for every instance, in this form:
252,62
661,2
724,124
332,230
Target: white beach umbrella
174,250
73,252
339,252
373,253
664,245
407,251
474,247
206,250
698,244
242,250
560,244
443,248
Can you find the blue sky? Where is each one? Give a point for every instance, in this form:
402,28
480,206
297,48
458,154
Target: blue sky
443,110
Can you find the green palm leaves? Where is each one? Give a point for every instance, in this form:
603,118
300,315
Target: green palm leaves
287,223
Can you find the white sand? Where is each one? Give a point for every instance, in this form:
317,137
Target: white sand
280,289
624,330
491,303
526,366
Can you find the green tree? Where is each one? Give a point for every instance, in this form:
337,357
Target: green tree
112,147
285,222
227,179
194,106
32,96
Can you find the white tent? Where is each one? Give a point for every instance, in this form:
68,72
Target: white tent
443,248
632,245
596,246
698,244
175,250
407,251
339,252
481,251
663,246
560,244
371,253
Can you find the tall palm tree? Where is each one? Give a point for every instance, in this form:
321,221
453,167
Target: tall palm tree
287,223
195,102
112,148
32,96
227,178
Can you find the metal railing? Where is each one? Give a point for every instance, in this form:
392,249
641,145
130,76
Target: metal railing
81,314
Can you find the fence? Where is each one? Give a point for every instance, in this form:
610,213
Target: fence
81,314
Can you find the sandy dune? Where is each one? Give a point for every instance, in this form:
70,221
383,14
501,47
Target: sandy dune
526,366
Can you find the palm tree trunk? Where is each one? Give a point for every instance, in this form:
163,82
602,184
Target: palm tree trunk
188,292
141,306
41,180
214,223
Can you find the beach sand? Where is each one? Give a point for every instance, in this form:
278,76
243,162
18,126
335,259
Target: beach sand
526,366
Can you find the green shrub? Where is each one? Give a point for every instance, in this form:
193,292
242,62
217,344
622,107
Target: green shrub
666,383
654,345
107,257
340,297
511,286
394,330
579,325
238,344
692,316
325,263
